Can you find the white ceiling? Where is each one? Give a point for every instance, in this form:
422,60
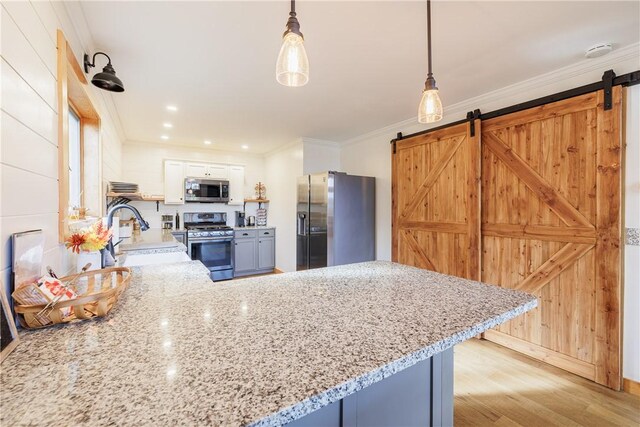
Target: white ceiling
216,61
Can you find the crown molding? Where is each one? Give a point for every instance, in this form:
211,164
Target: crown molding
321,142
519,92
292,144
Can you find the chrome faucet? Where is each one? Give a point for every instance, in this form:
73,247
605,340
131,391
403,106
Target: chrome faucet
144,225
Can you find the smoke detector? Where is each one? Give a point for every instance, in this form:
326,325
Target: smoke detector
598,50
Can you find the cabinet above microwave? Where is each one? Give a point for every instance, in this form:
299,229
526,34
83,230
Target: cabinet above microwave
207,171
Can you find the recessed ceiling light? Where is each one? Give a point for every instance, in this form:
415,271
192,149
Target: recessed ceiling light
164,137
245,147
207,142
172,108
167,125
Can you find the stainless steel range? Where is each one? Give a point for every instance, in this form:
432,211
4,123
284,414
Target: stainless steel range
210,241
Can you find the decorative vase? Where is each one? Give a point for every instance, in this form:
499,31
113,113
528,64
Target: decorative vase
93,257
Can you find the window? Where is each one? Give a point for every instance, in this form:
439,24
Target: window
75,160
79,149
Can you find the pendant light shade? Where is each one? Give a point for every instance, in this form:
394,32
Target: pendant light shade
107,79
292,67
430,108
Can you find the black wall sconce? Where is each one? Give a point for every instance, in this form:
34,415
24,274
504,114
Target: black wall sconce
107,79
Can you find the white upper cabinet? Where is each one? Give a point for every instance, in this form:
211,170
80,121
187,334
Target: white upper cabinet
236,185
173,182
195,170
218,171
209,171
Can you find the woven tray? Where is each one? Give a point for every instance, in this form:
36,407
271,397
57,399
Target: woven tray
97,292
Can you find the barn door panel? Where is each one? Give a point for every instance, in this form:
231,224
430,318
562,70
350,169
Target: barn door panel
551,226
436,205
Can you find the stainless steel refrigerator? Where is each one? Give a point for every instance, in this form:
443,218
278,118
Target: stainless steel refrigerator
336,220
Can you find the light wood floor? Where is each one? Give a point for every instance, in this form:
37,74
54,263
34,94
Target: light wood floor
495,386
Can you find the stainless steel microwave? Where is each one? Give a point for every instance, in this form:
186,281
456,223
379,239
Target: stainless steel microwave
206,190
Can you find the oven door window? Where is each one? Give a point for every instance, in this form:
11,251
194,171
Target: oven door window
214,254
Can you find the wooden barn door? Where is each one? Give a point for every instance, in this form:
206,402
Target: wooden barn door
551,226
436,206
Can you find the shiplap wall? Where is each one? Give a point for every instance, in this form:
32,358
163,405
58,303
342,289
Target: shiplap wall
28,131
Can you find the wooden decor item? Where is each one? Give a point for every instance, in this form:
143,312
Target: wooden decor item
436,205
531,202
551,226
98,291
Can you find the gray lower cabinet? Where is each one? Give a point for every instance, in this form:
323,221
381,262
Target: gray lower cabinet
245,255
255,251
266,253
421,395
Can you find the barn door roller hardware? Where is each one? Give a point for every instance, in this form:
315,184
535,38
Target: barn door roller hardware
607,81
393,141
472,116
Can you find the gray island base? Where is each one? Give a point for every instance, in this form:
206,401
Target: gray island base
360,344
421,395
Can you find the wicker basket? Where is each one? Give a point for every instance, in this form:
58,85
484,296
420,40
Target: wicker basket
97,292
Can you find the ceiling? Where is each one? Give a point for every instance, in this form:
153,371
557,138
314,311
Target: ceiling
216,61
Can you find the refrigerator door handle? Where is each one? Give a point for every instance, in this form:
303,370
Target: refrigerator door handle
302,225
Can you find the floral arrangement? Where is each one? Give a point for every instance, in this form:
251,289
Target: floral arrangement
93,238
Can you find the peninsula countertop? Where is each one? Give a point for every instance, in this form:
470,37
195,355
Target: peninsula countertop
179,349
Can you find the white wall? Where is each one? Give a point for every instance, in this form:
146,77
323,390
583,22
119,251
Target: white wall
29,139
370,154
143,164
320,156
282,169
631,338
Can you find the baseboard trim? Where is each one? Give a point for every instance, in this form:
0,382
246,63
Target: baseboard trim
575,366
631,386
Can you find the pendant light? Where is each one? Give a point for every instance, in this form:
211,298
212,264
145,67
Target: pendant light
430,108
292,67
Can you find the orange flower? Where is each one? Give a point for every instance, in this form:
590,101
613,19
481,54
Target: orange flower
93,238
75,241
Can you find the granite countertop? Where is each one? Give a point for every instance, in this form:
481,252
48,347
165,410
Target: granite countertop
181,350
151,241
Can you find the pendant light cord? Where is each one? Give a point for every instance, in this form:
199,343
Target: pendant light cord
430,73
293,8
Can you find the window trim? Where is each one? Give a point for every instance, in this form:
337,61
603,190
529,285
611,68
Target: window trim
73,94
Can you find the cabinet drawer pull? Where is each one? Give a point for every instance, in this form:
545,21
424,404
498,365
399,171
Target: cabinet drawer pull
245,234
266,232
